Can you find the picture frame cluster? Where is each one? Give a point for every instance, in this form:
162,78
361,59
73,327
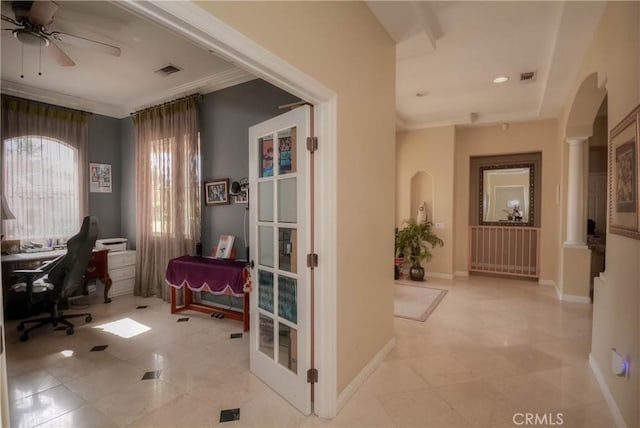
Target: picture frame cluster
216,192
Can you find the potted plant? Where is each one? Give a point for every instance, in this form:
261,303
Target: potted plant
412,240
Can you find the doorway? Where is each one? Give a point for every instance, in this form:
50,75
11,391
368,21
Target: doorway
187,19
597,194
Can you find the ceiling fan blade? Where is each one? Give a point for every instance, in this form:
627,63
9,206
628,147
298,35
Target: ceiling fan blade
9,20
59,55
42,12
86,43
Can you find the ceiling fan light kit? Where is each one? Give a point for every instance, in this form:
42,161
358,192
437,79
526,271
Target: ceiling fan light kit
33,18
30,38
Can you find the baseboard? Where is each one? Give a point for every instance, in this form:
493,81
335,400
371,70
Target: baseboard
570,298
558,292
576,299
547,282
461,273
608,397
438,275
357,381
120,293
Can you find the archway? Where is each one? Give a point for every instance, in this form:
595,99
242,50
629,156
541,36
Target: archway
576,259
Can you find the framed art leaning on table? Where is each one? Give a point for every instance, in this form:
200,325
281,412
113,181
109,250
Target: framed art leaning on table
624,185
225,246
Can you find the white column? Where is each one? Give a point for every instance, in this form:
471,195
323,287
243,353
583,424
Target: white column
575,203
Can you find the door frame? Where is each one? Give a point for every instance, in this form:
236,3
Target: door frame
212,33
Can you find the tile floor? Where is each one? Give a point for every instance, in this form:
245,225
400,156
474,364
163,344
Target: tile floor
493,348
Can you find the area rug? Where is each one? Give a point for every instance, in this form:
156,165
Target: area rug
415,302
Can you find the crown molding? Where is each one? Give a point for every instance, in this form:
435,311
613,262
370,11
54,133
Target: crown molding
51,97
224,79
215,82
473,120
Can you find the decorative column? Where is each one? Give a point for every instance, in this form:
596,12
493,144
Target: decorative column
575,191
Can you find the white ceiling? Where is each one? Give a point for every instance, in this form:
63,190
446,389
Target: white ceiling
105,84
449,51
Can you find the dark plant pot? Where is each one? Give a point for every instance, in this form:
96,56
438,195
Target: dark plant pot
416,273
397,262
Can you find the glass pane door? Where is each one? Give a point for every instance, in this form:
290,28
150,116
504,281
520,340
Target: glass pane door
280,301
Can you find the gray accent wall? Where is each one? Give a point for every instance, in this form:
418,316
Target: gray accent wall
104,147
225,118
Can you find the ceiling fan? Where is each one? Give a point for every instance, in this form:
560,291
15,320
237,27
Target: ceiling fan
33,18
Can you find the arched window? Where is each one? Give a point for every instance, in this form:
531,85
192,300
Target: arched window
41,185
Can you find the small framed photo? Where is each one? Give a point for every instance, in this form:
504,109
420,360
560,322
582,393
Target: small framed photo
624,185
216,192
242,197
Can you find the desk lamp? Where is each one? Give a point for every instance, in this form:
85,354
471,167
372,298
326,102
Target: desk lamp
6,213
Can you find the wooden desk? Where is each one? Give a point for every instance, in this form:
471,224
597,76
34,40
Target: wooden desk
98,267
223,277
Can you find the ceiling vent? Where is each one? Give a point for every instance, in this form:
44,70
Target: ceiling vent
168,69
529,76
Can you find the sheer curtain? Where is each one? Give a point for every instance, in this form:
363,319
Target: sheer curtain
44,168
168,189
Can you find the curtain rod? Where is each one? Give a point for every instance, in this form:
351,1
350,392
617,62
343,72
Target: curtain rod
46,104
177,100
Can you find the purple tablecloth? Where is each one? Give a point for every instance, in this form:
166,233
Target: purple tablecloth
218,276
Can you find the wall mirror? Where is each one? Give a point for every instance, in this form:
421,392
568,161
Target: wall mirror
507,194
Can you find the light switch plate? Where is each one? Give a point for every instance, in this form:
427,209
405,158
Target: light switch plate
439,225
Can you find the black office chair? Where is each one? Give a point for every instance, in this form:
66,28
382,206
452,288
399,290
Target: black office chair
50,286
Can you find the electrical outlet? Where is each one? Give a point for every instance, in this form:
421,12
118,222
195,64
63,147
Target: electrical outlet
439,225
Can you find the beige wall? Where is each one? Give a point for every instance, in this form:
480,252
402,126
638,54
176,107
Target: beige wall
430,151
576,282
343,46
517,138
614,55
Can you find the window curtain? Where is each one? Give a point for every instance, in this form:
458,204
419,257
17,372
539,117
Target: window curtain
42,206
168,189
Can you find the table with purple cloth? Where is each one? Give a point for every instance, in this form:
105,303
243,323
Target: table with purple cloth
217,276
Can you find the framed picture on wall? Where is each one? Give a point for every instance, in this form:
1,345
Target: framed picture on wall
99,178
624,186
242,197
216,192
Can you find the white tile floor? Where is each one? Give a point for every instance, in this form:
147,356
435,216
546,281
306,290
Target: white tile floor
493,348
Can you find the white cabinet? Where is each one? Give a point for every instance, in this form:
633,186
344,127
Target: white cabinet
122,271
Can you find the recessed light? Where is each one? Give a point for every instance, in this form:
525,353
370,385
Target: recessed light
500,79
421,94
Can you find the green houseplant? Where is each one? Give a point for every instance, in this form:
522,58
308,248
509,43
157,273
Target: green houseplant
412,240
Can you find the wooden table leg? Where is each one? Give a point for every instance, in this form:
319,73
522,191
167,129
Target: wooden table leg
107,286
188,296
245,310
173,300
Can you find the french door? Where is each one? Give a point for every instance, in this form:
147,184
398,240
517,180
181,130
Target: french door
280,303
